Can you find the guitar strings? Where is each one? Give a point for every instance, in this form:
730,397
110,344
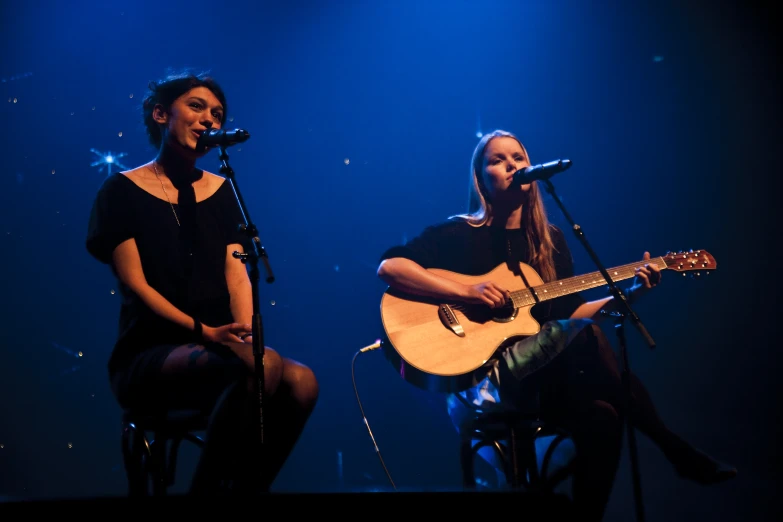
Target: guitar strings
554,289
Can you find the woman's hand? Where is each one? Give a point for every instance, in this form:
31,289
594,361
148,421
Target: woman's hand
487,293
229,333
647,277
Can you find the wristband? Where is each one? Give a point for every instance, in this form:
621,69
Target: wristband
198,329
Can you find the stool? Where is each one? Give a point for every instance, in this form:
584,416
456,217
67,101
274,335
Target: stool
155,459
524,463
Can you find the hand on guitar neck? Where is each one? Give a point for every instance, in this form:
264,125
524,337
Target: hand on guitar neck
647,275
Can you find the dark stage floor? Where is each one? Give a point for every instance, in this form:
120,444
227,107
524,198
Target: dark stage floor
345,505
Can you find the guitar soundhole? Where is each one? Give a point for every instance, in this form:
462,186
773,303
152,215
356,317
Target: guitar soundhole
504,315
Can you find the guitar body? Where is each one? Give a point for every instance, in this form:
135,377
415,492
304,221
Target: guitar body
441,350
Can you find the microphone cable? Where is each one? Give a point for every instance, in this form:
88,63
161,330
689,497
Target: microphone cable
374,346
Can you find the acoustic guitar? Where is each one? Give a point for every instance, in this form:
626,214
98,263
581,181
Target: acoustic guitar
440,346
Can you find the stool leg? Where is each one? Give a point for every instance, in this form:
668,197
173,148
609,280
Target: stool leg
514,458
466,458
548,456
131,466
158,467
171,472
134,452
532,479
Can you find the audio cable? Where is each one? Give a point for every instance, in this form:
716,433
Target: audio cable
374,346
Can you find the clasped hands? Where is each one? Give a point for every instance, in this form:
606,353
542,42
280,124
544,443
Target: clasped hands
231,333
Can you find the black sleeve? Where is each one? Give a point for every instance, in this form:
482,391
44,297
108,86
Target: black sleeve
110,221
431,248
563,307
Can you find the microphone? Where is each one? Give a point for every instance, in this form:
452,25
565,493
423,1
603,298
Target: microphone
221,138
541,171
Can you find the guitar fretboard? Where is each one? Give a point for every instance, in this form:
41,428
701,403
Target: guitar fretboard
572,285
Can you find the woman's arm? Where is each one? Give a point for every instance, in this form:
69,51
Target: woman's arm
407,275
592,309
239,287
127,264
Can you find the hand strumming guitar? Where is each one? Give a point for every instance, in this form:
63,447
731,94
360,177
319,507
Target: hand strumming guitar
488,293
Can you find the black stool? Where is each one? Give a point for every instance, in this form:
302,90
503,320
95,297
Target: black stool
519,457
150,443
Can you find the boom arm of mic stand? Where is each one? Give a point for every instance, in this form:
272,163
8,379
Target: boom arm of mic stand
255,253
616,292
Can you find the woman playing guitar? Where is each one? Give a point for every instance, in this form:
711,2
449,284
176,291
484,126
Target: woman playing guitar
580,387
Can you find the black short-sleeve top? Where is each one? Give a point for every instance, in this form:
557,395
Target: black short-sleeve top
184,262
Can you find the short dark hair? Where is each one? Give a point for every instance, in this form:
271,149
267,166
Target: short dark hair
168,89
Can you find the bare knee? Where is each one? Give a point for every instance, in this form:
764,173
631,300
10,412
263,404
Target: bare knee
273,370
301,382
272,362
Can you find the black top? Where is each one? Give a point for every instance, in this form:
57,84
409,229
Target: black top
186,264
457,246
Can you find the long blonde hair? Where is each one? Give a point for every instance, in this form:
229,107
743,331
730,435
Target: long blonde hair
534,217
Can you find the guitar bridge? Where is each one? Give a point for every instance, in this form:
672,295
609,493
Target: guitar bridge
449,320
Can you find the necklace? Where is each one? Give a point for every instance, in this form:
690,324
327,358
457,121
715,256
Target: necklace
155,166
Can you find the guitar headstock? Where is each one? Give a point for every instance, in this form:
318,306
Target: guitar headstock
693,261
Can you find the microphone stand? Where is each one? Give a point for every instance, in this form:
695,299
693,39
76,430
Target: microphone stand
625,311
251,256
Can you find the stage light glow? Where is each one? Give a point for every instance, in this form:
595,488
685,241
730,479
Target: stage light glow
108,160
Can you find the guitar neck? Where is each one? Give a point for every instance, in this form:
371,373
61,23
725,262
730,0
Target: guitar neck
572,285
